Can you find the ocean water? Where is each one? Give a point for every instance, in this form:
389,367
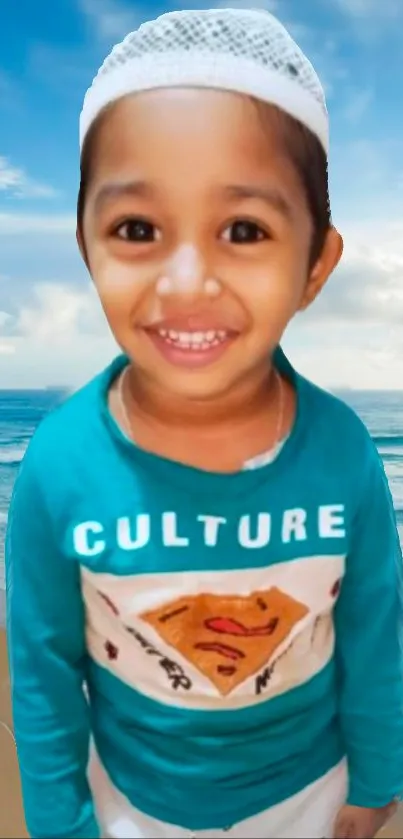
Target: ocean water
22,411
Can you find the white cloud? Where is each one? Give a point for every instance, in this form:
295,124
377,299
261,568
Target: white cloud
367,288
16,224
111,19
61,337
344,358
352,334
7,348
15,181
59,314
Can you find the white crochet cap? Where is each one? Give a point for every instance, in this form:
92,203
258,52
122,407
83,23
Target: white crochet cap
241,50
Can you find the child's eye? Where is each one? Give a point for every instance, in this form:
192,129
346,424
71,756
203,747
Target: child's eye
244,232
138,230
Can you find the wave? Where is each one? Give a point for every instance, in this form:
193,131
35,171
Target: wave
13,455
385,441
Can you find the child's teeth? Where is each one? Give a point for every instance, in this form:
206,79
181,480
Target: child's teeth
194,340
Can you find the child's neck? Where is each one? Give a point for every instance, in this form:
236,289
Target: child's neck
220,435
238,406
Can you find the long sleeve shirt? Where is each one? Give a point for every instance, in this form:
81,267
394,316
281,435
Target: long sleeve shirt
237,634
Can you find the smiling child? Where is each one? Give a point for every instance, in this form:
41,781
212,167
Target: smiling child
200,536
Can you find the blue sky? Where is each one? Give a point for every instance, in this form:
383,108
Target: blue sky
51,327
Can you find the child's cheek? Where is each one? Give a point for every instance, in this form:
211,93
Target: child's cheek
120,282
272,296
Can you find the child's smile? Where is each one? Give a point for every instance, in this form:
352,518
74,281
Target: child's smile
183,346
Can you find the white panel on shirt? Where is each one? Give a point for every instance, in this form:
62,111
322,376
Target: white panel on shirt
215,639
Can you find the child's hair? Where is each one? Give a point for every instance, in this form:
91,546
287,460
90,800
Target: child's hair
301,146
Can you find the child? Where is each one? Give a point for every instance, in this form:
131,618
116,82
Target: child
200,536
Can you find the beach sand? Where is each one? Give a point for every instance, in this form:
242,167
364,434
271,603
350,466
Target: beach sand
12,822
11,814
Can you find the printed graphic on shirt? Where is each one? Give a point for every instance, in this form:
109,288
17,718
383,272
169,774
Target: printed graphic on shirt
227,638
215,639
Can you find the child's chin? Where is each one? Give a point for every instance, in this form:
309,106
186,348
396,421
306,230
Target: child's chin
201,385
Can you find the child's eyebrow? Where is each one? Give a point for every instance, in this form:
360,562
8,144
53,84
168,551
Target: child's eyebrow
110,191
270,195
140,189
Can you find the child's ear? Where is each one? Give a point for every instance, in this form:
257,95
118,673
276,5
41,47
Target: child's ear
324,266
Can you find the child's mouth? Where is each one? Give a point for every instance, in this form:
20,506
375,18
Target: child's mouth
191,348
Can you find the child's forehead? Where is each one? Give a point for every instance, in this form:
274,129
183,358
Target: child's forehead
200,124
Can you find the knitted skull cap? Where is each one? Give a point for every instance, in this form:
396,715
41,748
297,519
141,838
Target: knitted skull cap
245,51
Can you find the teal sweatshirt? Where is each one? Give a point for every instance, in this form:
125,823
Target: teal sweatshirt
238,634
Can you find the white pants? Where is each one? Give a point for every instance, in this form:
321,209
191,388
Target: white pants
310,814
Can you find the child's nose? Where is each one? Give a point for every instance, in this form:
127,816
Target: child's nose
186,270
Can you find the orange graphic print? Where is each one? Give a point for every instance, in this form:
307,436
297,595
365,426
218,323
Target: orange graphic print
228,638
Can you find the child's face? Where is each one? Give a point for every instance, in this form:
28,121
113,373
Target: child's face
186,185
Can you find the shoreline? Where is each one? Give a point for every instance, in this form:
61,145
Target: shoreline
2,608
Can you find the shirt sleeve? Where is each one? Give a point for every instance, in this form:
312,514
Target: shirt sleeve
369,626
45,631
